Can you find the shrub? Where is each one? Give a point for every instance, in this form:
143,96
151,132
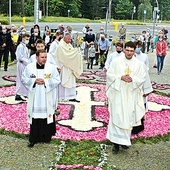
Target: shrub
4,21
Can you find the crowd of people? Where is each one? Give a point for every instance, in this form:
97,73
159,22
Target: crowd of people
48,66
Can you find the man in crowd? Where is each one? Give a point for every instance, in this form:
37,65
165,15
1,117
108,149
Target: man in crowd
89,37
143,39
125,79
40,45
147,86
5,44
148,39
97,37
54,44
41,79
122,32
14,36
71,68
165,32
85,30
103,48
141,56
32,42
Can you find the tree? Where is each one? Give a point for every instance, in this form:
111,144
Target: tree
145,5
55,7
164,7
73,6
94,8
136,3
29,7
123,9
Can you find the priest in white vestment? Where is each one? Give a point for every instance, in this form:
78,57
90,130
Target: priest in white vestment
71,67
125,79
41,79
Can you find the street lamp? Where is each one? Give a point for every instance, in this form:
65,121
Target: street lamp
47,8
155,12
106,9
110,7
157,3
134,11
9,12
144,13
36,11
68,13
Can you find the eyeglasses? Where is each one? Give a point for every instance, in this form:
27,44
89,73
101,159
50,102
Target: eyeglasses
130,51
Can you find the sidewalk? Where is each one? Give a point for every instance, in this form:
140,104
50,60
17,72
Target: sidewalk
11,71
163,78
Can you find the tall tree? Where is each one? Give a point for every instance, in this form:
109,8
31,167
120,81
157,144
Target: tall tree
55,7
136,3
94,8
123,9
145,10
73,6
164,7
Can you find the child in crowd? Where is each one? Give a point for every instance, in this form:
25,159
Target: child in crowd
91,55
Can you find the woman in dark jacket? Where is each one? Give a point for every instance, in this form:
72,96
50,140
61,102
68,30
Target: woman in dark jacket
47,37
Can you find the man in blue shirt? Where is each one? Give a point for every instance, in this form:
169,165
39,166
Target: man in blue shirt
103,48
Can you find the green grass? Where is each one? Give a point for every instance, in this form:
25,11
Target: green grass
130,22
86,152
66,19
5,20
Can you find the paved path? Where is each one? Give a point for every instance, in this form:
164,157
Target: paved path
163,78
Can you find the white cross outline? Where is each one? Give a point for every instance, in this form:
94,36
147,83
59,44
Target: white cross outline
82,114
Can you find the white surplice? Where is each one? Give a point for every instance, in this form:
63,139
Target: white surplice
22,56
42,99
144,58
126,105
111,57
147,86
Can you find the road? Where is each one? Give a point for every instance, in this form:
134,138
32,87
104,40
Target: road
131,29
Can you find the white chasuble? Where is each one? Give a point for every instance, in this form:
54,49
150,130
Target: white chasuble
126,104
71,63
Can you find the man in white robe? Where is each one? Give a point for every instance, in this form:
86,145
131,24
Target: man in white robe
125,79
55,43
71,67
40,45
114,55
41,79
22,56
141,56
147,86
